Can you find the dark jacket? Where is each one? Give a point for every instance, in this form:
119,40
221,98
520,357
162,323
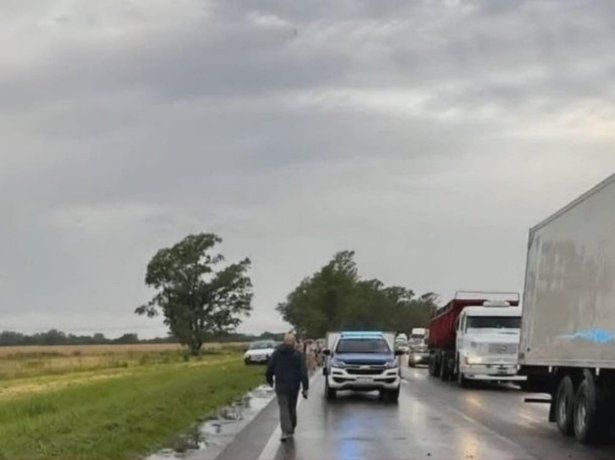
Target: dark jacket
288,367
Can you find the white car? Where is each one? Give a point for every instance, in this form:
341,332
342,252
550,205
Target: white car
259,352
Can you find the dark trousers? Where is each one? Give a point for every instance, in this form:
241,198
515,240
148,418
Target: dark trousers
288,411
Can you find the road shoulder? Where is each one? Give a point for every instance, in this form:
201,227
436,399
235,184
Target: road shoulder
250,441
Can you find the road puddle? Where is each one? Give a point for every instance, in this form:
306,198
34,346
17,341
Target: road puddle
209,438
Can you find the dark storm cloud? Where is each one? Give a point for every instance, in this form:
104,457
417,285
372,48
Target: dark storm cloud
422,134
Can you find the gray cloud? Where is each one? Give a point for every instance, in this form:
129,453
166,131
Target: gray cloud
426,135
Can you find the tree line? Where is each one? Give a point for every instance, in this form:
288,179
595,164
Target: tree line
200,296
337,298
56,337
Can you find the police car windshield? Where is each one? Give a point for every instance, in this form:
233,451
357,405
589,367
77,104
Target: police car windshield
362,345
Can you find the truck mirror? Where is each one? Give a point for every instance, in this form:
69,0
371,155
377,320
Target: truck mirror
326,352
399,352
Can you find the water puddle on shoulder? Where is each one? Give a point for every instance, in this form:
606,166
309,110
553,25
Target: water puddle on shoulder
209,438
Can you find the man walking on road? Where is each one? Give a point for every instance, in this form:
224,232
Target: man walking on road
288,371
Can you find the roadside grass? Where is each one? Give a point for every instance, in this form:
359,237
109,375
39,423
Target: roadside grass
122,416
32,361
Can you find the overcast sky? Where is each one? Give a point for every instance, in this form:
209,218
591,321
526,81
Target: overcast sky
428,136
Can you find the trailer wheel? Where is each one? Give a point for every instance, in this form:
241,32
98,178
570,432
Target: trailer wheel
443,368
446,367
589,421
433,365
564,406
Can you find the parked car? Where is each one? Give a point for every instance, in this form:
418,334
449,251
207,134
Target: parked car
259,352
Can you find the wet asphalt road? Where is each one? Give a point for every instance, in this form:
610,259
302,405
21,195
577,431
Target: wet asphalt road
433,419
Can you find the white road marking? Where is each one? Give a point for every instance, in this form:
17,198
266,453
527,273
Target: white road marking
272,446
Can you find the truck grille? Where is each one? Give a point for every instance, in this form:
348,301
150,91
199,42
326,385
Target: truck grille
502,348
357,371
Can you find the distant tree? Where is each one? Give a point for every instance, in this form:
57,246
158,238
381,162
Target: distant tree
10,338
127,339
196,299
277,336
53,337
99,337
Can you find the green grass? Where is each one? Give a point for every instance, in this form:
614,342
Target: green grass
123,416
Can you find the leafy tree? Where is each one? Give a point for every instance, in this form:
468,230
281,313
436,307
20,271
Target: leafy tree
197,296
317,304
336,298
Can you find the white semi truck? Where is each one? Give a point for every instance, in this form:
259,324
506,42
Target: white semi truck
418,352
487,343
476,337
567,344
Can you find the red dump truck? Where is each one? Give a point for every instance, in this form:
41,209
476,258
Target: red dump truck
476,337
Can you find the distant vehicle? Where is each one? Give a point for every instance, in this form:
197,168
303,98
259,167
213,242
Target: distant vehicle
418,352
567,344
401,343
362,361
259,352
476,337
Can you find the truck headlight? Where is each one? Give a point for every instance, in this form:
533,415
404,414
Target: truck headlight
473,359
392,364
338,364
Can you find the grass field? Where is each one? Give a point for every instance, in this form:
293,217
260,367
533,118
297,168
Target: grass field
29,361
109,402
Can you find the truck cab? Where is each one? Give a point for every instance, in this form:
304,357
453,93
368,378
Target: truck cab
418,352
362,361
487,343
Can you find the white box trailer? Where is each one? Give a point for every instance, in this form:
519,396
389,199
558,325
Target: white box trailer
567,341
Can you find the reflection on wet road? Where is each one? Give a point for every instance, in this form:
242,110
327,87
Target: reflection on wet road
432,420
